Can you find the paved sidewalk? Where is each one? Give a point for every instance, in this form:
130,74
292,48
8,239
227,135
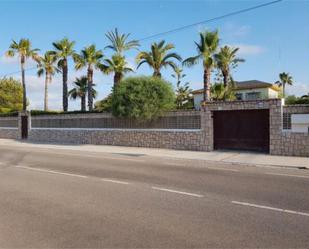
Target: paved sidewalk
244,158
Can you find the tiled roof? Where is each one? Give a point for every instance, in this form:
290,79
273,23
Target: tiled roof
248,84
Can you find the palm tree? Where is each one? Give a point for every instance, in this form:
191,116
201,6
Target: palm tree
285,79
226,59
178,75
221,92
91,58
183,91
183,94
24,50
206,50
64,49
158,57
117,65
80,91
119,42
46,64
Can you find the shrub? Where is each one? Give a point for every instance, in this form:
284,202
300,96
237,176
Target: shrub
293,100
11,95
142,98
104,105
40,112
9,114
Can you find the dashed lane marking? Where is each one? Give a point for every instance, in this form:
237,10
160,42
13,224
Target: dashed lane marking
177,192
270,208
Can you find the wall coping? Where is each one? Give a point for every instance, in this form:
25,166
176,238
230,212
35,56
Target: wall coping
106,115
229,102
297,105
117,129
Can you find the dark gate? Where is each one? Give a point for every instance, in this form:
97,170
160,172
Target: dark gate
241,130
24,127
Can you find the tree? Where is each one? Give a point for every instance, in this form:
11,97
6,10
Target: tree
46,65
91,58
226,60
117,65
206,49
24,50
119,42
221,92
104,105
64,50
285,79
158,57
11,95
183,91
80,91
142,98
306,96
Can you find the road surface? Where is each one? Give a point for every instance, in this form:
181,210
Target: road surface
52,198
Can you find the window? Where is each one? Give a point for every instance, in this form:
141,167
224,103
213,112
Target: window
286,121
253,95
238,96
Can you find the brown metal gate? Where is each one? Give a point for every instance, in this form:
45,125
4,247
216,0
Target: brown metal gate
24,127
241,130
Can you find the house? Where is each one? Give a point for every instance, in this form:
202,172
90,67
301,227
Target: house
245,90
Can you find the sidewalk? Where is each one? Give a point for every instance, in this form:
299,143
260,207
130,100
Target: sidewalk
244,158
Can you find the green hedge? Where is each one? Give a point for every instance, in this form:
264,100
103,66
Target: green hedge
40,112
9,114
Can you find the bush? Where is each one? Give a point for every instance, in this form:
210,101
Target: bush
293,100
40,112
104,105
142,98
9,114
11,95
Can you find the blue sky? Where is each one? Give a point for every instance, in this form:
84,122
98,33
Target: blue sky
271,40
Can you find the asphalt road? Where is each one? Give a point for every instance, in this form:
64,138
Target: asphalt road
70,199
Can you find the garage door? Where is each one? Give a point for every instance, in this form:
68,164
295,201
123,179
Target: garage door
241,130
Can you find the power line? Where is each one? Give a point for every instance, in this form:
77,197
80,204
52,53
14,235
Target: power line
211,20
234,13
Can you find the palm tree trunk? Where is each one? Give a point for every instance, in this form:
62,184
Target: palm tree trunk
22,60
206,93
90,81
83,103
157,73
46,92
225,78
65,85
283,90
117,79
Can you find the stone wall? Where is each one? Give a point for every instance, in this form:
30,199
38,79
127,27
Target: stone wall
169,139
196,134
188,137
9,127
11,133
293,143
294,109
172,120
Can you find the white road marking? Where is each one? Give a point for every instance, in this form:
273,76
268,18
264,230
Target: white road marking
276,174
51,171
114,181
270,208
177,192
